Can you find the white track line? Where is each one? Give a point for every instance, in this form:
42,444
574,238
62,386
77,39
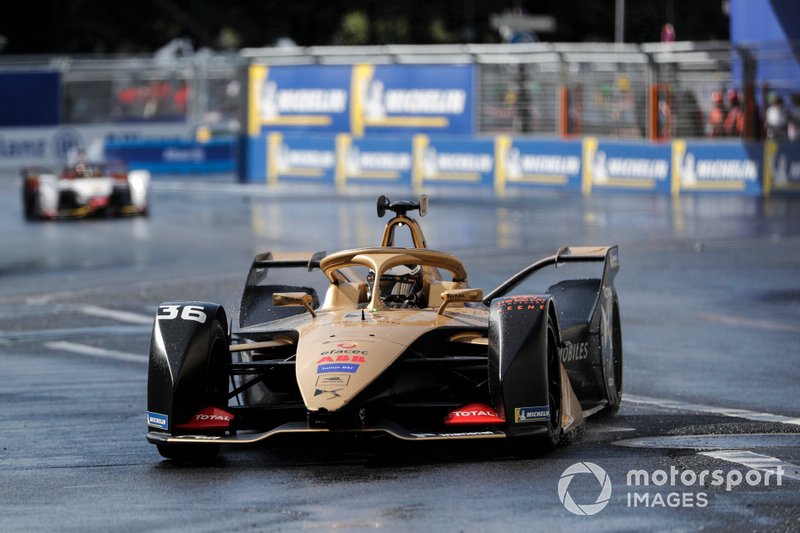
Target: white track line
756,461
113,314
700,408
93,351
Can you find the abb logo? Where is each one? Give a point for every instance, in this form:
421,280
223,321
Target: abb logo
342,359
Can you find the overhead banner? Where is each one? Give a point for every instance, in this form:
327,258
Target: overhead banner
625,166
403,99
716,167
361,99
299,98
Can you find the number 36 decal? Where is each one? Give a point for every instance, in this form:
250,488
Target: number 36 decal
187,312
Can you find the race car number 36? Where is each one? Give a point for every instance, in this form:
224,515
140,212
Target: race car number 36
186,312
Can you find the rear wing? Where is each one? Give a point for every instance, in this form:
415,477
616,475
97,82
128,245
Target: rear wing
606,258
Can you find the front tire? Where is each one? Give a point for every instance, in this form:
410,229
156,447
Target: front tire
527,446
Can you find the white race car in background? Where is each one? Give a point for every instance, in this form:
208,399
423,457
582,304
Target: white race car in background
84,189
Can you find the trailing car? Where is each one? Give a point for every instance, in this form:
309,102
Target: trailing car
83,189
399,345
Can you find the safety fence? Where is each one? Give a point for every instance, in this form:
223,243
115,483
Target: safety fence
651,91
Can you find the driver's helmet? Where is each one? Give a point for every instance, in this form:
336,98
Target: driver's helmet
400,286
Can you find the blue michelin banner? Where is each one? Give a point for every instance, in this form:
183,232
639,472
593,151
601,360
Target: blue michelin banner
175,156
717,167
300,158
408,99
361,99
299,98
374,161
537,163
448,161
781,167
625,166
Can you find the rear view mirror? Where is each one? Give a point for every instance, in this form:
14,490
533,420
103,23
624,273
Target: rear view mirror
302,299
459,295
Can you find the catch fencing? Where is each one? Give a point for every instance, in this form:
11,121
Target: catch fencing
653,91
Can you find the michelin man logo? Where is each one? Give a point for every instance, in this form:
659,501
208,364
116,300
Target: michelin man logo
586,509
599,167
374,108
688,170
780,171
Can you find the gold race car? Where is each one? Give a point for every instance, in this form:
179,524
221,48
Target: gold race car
400,345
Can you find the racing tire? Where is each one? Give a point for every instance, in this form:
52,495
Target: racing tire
30,201
215,392
527,446
611,355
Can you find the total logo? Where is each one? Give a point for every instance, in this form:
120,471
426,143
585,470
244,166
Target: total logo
581,469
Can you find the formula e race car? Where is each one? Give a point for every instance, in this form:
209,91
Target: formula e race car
399,346
84,189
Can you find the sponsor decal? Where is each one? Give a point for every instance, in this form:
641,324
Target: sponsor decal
208,418
197,437
347,345
350,368
522,303
463,434
531,414
574,352
341,359
157,420
474,413
333,380
521,166
334,393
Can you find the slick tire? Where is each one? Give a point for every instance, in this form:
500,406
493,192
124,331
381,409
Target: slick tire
527,446
611,355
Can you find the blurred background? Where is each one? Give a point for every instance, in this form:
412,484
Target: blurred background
650,70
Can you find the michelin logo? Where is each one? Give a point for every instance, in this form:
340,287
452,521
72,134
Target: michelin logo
383,161
605,168
288,158
693,171
436,163
379,103
275,102
157,420
531,414
519,165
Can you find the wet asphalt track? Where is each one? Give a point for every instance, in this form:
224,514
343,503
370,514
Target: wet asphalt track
710,300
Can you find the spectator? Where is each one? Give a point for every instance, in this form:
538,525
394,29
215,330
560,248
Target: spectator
716,117
777,118
734,121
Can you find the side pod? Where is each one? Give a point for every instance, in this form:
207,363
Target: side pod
188,367
518,363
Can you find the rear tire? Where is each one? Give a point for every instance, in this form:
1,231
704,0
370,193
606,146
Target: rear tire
611,355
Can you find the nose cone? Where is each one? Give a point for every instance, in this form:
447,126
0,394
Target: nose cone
332,372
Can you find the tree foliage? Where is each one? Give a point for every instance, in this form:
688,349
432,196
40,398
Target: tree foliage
95,26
